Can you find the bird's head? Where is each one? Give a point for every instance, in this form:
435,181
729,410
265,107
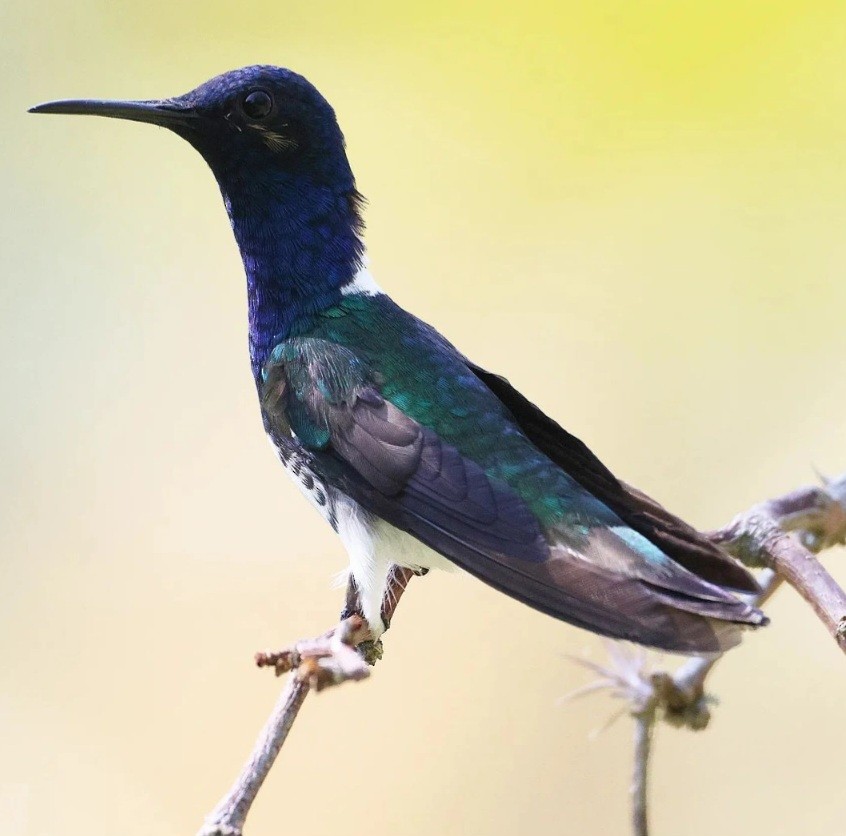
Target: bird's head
274,145
256,124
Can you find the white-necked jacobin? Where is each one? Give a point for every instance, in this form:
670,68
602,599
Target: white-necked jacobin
415,455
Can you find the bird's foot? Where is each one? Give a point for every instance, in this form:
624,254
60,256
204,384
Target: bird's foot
370,648
371,651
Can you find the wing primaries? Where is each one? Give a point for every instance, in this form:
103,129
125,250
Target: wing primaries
673,536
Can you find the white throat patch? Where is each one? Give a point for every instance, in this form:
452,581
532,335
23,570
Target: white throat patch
362,283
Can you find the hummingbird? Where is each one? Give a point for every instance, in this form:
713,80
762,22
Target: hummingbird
415,455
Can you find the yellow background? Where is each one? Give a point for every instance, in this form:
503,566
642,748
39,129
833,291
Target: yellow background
635,210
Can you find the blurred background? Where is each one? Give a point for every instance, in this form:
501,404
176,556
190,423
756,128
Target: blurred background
635,210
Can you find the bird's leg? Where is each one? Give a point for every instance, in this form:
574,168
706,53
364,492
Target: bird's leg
352,603
330,650
398,580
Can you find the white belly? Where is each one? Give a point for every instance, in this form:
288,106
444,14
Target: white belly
373,545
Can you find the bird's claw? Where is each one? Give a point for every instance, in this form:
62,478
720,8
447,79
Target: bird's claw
371,651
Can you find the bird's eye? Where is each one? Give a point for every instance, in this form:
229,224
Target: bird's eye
257,104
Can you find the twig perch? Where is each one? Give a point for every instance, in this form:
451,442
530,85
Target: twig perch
227,819
340,655
783,535
327,660
644,725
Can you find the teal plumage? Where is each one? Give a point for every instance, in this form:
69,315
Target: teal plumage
428,379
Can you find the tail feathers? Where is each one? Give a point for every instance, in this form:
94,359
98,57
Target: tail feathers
729,609
654,591
641,611
573,589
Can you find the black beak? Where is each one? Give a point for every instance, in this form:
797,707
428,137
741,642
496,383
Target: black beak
167,113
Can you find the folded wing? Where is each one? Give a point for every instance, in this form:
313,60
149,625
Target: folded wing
407,474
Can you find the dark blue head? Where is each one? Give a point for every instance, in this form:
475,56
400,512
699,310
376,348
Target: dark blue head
274,145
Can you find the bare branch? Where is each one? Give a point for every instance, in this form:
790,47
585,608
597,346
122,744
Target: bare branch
782,534
644,725
340,655
816,516
227,819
